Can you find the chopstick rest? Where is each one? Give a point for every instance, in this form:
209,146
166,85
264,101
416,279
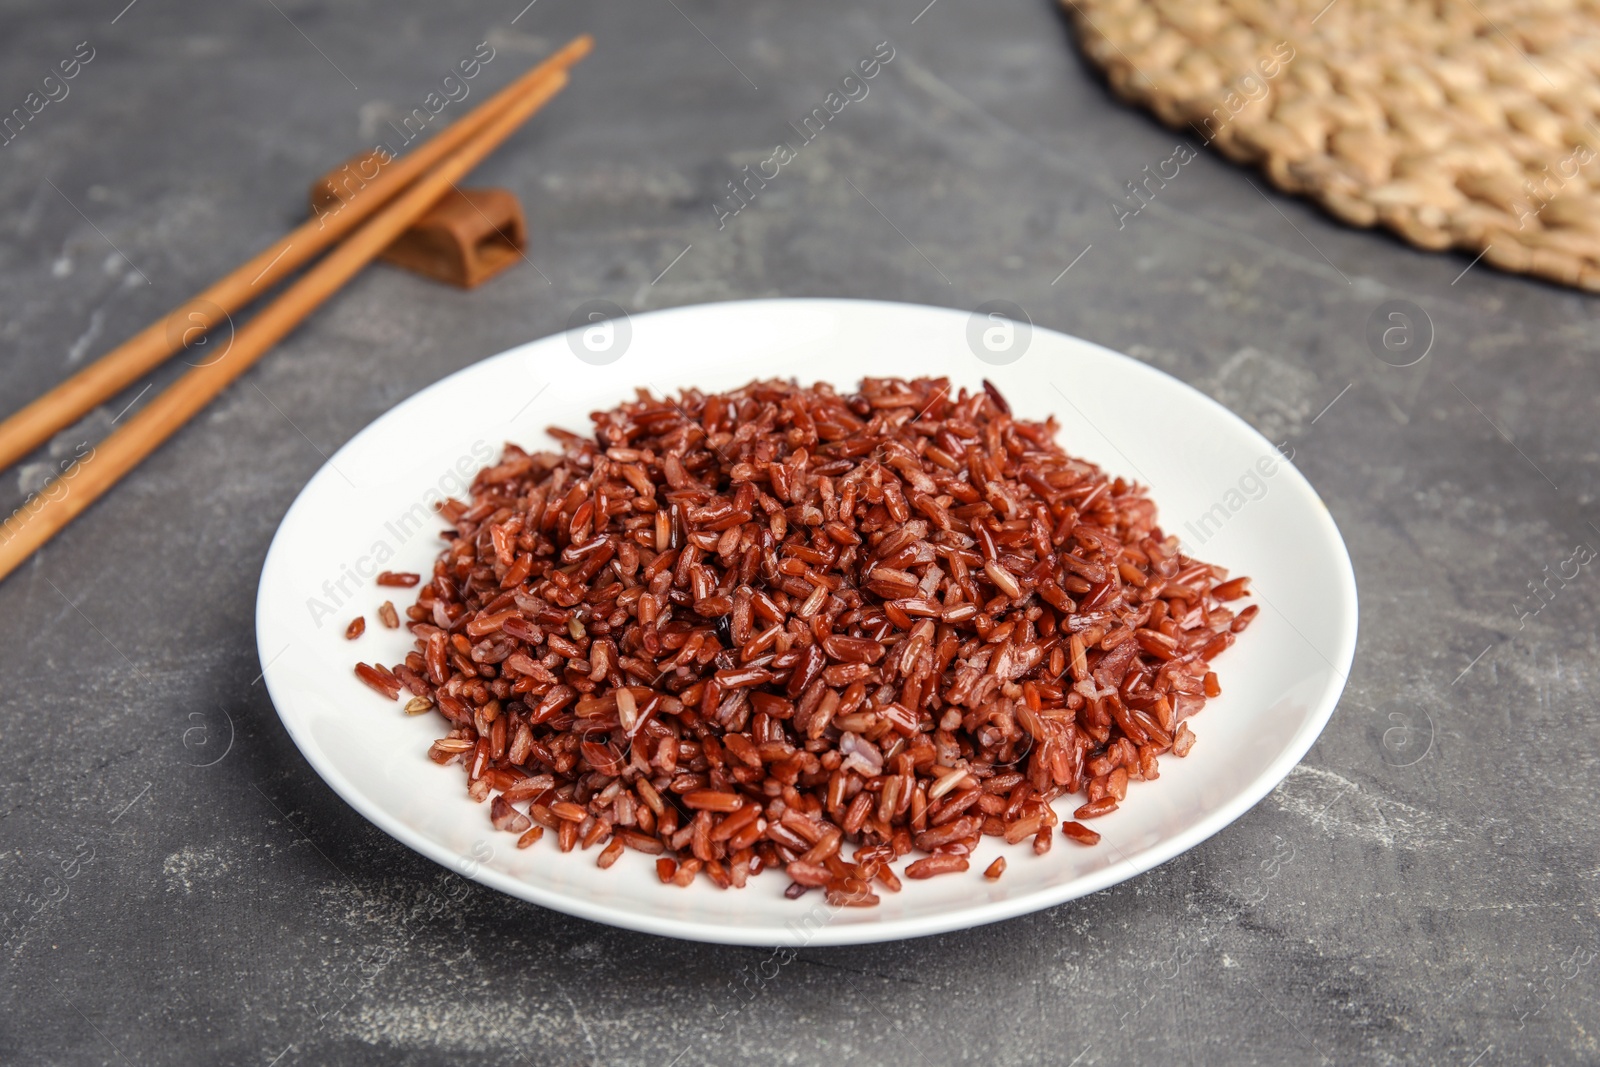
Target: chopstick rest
468,237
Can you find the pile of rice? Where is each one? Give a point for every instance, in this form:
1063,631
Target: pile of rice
785,627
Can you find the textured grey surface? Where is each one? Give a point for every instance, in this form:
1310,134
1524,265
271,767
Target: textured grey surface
1381,906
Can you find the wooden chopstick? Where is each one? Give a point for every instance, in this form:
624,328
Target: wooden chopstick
150,347
63,499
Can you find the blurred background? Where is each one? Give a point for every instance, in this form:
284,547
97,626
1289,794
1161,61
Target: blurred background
185,889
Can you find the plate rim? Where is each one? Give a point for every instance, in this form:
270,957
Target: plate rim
829,934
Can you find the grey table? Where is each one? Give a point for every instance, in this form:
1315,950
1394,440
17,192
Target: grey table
1422,889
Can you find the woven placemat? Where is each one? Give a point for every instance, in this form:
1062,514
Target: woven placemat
1468,124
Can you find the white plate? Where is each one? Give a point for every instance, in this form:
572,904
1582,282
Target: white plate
367,509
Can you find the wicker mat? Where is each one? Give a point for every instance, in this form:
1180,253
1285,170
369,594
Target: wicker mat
1468,124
